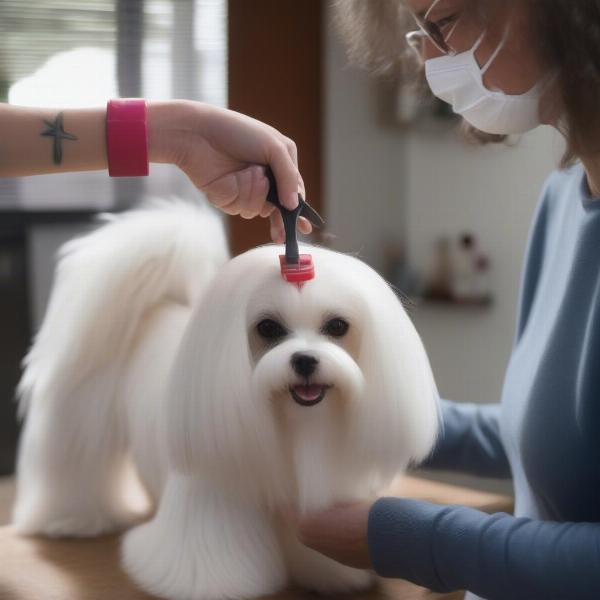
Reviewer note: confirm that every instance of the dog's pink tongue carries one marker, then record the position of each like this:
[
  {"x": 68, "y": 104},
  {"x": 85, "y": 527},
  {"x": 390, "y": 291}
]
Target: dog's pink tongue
[{"x": 308, "y": 392}]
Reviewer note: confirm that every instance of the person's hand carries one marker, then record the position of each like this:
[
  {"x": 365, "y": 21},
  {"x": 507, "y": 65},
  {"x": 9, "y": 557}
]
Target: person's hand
[
  {"x": 223, "y": 153},
  {"x": 339, "y": 532}
]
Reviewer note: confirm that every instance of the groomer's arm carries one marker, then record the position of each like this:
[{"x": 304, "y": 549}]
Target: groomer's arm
[
  {"x": 470, "y": 441},
  {"x": 451, "y": 547},
  {"x": 498, "y": 556},
  {"x": 35, "y": 141},
  {"x": 221, "y": 151}
]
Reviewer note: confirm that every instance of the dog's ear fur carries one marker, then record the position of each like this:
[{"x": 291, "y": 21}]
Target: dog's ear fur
[
  {"x": 215, "y": 425},
  {"x": 398, "y": 419}
]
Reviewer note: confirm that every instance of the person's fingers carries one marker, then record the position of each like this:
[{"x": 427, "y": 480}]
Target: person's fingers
[
  {"x": 232, "y": 209},
  {"x": 222, "y": 191},
  {"x": 277, "y": 229},
  {"x": 339, "y": 532},
  {"x": 301, "y": 187},
  {"x": 267, "y": 209},
  {"x": 291, "y": 148},
  {"x": 286, "y": 175},
  {"x": 304, "y": 226},
  {"x": 244, "y": 182},
  {"x": 254, "y": 202}
]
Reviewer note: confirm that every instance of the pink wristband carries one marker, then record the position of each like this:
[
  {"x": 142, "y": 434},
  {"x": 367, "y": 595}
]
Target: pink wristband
[{"x": 127, "y": 137}]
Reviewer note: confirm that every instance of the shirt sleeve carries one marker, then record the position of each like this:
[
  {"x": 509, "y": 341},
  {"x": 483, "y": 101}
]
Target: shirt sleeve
[
  {"x": 450, "y": 547},
  {"x": 470, "y": 441}
]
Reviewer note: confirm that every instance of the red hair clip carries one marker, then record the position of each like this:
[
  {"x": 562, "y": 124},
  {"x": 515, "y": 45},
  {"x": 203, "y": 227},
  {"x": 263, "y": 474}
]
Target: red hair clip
[
  {"x": 299, "y": 272},
  {"x": 295, "y": 267}
]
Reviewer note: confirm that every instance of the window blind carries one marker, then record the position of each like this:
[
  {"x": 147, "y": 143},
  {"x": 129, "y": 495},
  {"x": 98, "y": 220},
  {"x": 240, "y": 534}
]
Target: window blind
[{"x": 72, "y": 53}]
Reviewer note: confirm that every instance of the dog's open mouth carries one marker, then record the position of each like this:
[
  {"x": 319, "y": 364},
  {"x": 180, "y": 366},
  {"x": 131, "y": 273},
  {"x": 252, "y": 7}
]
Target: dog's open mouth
[{"x": 310, "y": 394}]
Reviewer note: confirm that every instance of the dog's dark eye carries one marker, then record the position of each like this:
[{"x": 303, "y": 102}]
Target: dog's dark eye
[
  {"x": 271, "y": 330},
  {"x": 336, "y": 327}
]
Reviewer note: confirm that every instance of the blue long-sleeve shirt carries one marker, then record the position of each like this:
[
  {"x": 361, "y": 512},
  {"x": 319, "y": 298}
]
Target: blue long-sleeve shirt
[{"x": 545, "y": 434}]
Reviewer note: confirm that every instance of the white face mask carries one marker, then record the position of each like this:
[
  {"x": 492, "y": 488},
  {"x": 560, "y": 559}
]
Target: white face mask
[{"x": 458, "y": 80}]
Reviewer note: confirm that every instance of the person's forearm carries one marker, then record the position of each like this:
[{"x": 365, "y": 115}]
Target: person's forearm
[
  {"x": 448, "y": 547},
  {"x": 34, "y": 141},
  {"x": 223, "y": 153},
  {"x": 470, "y": 441}
]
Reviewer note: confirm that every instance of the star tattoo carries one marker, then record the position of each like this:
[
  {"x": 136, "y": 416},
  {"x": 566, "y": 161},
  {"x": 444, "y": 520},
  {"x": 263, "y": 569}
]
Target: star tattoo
[{"x": 56, "y": 130}]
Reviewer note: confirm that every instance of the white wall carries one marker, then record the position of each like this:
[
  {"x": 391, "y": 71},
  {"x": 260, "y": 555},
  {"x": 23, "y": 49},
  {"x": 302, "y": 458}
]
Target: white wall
[
  {"x": 491, "y": 191},
  {"x": 364, "y": 162}
]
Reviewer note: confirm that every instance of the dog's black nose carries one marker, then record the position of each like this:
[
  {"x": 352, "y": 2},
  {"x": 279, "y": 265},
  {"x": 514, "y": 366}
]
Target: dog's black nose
[{"x": 304, "y": 364}]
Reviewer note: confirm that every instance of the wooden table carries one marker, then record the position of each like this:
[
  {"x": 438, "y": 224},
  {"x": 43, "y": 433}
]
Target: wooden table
[{"x": 40, "y": 569}]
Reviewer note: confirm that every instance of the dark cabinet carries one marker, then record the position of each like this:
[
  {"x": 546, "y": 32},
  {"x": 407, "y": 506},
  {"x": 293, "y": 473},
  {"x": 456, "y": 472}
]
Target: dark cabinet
[{"x": 14, "y": 333}]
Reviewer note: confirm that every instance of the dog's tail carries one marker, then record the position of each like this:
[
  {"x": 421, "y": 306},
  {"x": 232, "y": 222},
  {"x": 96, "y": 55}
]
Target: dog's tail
[
  {"x": 73, "y": 447},
  {"x": 105, "y": 281}
]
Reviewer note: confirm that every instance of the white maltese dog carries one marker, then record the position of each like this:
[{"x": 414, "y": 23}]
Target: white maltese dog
[{"x": 237, "y": 395}]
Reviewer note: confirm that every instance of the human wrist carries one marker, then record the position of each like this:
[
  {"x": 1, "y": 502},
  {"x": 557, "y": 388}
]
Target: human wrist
[
  {"x": 157, "y": 117},
  {"x": 400, "y": 534},
  {"x": 171, "y": 126},
  {"x": 38, "y": 141}
]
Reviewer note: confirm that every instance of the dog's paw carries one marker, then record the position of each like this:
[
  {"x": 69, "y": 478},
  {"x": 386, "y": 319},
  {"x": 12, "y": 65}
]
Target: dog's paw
[
  {"x": 89, "y": 525},
  {"x": 181, "y": 567},
  {"x": 73, "y": 524}
]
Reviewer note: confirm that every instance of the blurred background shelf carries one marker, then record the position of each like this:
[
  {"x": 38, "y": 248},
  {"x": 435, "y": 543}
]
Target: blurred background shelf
[{"x": 475, "y": 303}]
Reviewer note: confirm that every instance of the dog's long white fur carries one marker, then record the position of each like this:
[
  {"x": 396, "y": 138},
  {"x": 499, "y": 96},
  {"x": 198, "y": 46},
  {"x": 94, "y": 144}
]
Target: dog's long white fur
[
  {"x": 145, "y": 354},
  {"x": 74, "y": 442}
]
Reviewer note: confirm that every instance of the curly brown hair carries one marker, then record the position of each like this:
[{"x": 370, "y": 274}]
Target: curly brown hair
[
  {"x": 373, "y": 32},
  {"x": 567, "y": 34}
]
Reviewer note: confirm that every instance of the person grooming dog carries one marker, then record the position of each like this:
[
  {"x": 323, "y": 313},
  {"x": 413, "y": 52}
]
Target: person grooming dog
[{"x": 508, "y": 66}]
